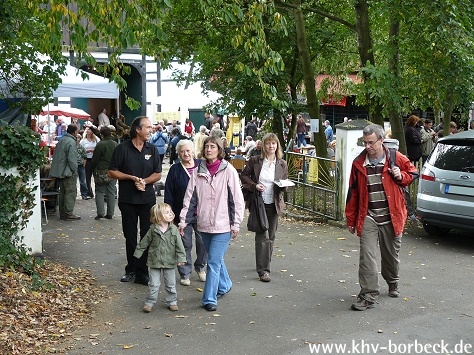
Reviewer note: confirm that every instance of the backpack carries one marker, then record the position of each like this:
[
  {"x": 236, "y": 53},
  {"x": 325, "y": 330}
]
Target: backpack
[{"x": 406, "y": 193}]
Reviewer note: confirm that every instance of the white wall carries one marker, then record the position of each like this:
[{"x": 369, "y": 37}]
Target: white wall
[
  {"x": 173, "y": 97},
  {"x": 32, "y": 234}
]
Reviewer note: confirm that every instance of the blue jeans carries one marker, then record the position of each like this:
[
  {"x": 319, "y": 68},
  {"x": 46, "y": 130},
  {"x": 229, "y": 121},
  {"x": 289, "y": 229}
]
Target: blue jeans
[
  {"x": 301, "y": 139},
  {"x": 201, "y": 255},
  {"x": 81, "y": 173},
  {"x": 217, "y": 279}
]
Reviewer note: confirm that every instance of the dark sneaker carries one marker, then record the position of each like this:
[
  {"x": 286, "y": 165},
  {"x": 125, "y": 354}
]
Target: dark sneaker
[
  {"x": 99, "y": 216},
  {"x": 265, "y": 277},
  {"x": 362, "y": 304},
  {"x": 393, "y": 290},
  {"x": 210, "y": 307}
]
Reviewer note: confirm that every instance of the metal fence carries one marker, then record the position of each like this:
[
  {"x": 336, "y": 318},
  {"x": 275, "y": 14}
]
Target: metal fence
[{"x": 316, "y": 187}]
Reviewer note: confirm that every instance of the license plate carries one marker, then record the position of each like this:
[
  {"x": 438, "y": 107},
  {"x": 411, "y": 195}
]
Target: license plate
[{"x": 458, "y": 190}]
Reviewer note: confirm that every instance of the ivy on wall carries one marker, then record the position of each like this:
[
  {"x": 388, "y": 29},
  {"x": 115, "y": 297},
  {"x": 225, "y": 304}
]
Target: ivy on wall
[{"x": 20, "y": 150}]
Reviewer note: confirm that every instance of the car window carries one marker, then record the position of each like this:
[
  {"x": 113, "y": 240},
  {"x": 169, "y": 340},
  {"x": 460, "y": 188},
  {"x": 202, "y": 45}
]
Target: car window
[{"x": 454, "y": 156}]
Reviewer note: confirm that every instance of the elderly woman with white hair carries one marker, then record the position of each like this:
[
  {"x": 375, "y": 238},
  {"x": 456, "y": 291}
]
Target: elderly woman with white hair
[{"x": 175, "y": 188}]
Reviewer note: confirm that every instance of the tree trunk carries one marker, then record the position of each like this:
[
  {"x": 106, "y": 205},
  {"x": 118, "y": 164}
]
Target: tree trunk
[
  {"x": 309, "y": 80},
  {"x": 293, "y": 86},
  {"x": 366, "y": 54},
  {"x": 448, "y": 111},
  {"x": 394, "y": 115}
]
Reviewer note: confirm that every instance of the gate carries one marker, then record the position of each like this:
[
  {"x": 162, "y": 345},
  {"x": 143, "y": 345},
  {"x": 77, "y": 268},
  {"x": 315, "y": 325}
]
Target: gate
[{"x": 316, "y": 184}]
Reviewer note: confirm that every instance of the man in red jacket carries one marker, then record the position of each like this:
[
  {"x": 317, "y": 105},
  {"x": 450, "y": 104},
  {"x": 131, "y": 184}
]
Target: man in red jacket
[{"x": 375, "y": 208}]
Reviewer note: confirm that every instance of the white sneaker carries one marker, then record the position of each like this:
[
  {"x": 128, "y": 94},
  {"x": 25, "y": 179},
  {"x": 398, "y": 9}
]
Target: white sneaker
[
  {"x": 185, "y": 282},
  {"x": 201, "y": 276}
]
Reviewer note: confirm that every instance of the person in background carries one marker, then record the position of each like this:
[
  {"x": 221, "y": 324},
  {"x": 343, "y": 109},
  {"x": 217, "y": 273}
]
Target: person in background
[
  {"x": 176, "y": 136},
  {"x": 428, "y": 139},
  {"x": 89, "y": 142},
  {"x": 260, "y": 174},
  {"x": 100, "y": 162},
  {"x": 238, "y": 154},
  {"x": 64, "y": 167},
  {"x": 453, "y": 128},
  {"x": 136, "y": 164},
  {"x": 249, "y": 144},
  {"x": 301, "y": 131},
  {"x": 251, "y": 129},
  {"x": 376, "y": 210},
  {"x": 208, "y": 119},
  {"x": 113, "y": 134},
  {"x": 81, "y": 170},
  {"x": 328, "y": 132},
  {"x": 214, "y": 197},
  {"x": 257, "y": 151},
  {"x": 413, "y": 138},
  {"x": 227, "y": 150},
  {"x": 165, "y": 251},
  {"x": 75, "y": 120},
  {"x": 199, "y": 140},
  {"x": 160, "y": 140},
  {"x": 103, "y": 119},
  {"x": 59, "y": 128},
  {"x": 63, "y": 131},
  {"x": 176, "y": 183},
  {"x": 189, "y": 128}
]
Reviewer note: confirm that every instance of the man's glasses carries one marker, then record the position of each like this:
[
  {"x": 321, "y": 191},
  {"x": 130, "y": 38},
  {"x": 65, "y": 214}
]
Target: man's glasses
[{"x": 370, "y": 144}]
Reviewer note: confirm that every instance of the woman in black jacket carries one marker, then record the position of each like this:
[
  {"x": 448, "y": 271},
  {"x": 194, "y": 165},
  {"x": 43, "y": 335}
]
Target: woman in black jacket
[
  {"x": 260, "y": 174},
  {"x": 413, "y": 138}
]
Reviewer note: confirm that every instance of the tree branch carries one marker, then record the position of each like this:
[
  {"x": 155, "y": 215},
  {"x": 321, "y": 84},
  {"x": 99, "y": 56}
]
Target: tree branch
[{"x": 317, "y": 11}]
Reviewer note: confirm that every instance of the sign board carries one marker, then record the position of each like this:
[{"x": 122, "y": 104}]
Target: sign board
[
  {"x": 169, "y": 116},
  {"x": 314, "y": 125}
]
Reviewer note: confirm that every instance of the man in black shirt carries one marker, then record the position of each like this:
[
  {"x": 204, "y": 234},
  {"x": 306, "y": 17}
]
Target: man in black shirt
[{"x": 136, "y": 165}]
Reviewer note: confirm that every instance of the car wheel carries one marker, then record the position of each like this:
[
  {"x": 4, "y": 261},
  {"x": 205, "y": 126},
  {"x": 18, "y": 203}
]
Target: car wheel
[{"x": 435, "y": 230}]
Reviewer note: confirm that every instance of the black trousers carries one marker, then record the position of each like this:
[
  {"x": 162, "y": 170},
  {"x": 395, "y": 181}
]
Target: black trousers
[
  {"x": 131, "y": 213},
  {"x": 88, "y": 167}
]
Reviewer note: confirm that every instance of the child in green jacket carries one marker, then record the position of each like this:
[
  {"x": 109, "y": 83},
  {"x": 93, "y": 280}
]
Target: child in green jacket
[{"x": 165, "y": 251}]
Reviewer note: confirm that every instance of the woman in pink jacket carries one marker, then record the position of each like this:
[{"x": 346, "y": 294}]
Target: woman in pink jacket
[{"x": 214, "y": 198}]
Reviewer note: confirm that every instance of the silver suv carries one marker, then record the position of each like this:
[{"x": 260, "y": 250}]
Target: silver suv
[{"x": 445, "y": 198}]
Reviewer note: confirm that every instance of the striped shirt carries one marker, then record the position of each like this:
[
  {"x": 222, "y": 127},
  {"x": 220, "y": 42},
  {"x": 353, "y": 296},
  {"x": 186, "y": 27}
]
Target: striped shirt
[{"x": 378, "y": 204}]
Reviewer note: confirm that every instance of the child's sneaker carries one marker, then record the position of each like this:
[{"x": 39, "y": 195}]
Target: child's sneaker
[
  {"x": 147, "y": 308},
  {"x": 174, "y": 307}
]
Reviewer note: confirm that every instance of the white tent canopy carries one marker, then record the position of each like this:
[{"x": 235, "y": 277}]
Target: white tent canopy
[
  {"x": 95, "y": 87},
  {"x": 74, "y": 86}
]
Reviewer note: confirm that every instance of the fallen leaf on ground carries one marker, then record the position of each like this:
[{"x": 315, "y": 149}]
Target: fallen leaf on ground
[{"x": 65, "y": 302}]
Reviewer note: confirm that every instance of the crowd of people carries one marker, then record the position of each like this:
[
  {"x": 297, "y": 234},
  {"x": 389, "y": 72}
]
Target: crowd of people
[{"x": 203, "y": 196}]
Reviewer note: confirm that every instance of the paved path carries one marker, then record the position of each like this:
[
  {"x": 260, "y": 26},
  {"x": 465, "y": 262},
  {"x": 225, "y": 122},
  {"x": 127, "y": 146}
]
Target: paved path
[{"x": 314, "y": 282}]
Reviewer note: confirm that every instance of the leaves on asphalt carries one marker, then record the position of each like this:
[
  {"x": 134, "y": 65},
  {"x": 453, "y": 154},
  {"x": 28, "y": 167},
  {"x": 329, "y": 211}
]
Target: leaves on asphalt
[{"x": 37, "y": 321}]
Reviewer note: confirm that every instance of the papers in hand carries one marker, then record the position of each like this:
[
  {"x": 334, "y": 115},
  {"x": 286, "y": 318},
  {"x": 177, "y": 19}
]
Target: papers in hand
[{"x": 284, "y": 183}]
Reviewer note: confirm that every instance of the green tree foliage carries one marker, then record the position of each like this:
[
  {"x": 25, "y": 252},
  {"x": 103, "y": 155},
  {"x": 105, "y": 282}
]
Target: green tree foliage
[{"x": 408, "y": 55}]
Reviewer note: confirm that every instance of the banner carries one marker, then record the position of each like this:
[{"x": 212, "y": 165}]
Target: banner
[{"x": 333, "y": 102}]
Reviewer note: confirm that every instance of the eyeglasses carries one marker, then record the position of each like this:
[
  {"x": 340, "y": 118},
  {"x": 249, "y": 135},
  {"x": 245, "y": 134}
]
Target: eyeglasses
[{"x": 370, "y": 144}]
